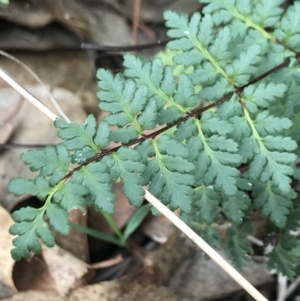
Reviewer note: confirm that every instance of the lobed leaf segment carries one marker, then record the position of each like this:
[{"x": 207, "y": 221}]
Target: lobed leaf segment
[{"x": 210, "y": 162}]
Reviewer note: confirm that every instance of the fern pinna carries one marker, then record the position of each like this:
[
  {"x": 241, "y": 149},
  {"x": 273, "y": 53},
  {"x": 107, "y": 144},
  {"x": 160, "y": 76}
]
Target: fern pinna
[{"x": 222, "y": 150}]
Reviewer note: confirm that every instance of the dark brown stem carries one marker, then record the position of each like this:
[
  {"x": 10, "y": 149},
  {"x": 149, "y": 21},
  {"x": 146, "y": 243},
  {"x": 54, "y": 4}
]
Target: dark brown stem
[{"x": 196, "y": 113}]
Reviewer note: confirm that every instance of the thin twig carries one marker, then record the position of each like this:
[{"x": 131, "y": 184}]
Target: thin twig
[
  {"x": 29, "y": 70},
  {"x": 106, "y": 263},
  {"x": 27, "y": 95},
  {"x": 22, "y": 145},
  {"x": 255, "y": 241},
  {"x": 135, "y": 21},
  {"x": 92, "y": 46},
  {"x": 125, "y": 12},
  {"x": 216, "y": 257},
  {"x": 147, "y": 30}
]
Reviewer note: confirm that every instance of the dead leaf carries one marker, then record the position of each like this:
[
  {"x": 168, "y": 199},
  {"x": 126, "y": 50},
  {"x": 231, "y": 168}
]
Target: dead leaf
[
  {"x": 6, "y": 261},
  {"x": 33, "y": 274},
  {"x": 65, "y": 269},
  {"x": 55, "y": 269},
  {"x": 143, "y": 282},
  {"x": 76, "y": 242},
  {"x": 106, "y": 263}
]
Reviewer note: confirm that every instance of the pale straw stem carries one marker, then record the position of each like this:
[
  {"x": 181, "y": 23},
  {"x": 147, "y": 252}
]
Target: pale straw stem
[
  {"x": 27, "y": 95},
  {"x": 216, "y": 257}
]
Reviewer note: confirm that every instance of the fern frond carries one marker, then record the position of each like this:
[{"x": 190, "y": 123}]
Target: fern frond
[{"x": 213, "y": 162}]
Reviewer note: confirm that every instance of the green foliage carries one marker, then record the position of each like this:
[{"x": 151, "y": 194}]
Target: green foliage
[
  {"x": 135, "y": 221},
  {"x": 283, "y": 258},
  {"x": 238, "y": 248},
  {"x": 223, "y": 106}
]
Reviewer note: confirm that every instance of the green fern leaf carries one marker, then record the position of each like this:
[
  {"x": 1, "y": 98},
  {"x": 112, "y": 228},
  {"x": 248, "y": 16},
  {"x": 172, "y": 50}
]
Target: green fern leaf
[
  {"x": 27, "y": 240},
  {"x": 273, "y": 203},
  {"x": 125, "y": 163},
  {"x": 262, "y": 96},
  {"x": 168, "y": 174},
  {"x": 243, "y": 67},
  {"x": 78, "y": 136},
  {"x": 38, "y": 187},
  {"x": 268, "y": 124},
  {"x": 207, "y": 200},
  {"x": 208, "y": 232},
  {"x": 212, "y": 236},
  {"x": 288, "y": 33},
  {"x": 27, "y": 214},
  {"x": 268, "y": 13},
  {"x": 238, "y": 248},
  {"x": 102, "y": 138},
  {"x": 158, "y": 79},
  {"x": 185, "y": 95},
  {"x": 148, "y": 118},
  {"x": 58, "y": 219},
  {"x": 52, "y": 161},
  {"x": 212, "y": 124},
  {"x": 196, "y": 34},
  {"x": 124, "y": 100},
  {"x": 273, "y": 167},
  {"x": 96, "y": 179},
  {"x": 167, "y": 145},
  {"x": 71, "y": 196},
  {"x": 215, "y": 161},
  {"x": 30, "y": 227},
  {"x": 235, "y": 207},
  {"x": 172, "y": 100},
  {"x": 279, "y": 143},
  {"x": 281, "y": 258},
  {"x": 125, "y": 135},
  {"x": 293, "y": 222}
]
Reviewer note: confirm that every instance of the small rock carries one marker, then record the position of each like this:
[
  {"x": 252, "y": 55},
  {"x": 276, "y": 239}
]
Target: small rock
[{"x": 204, "y": 280}]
